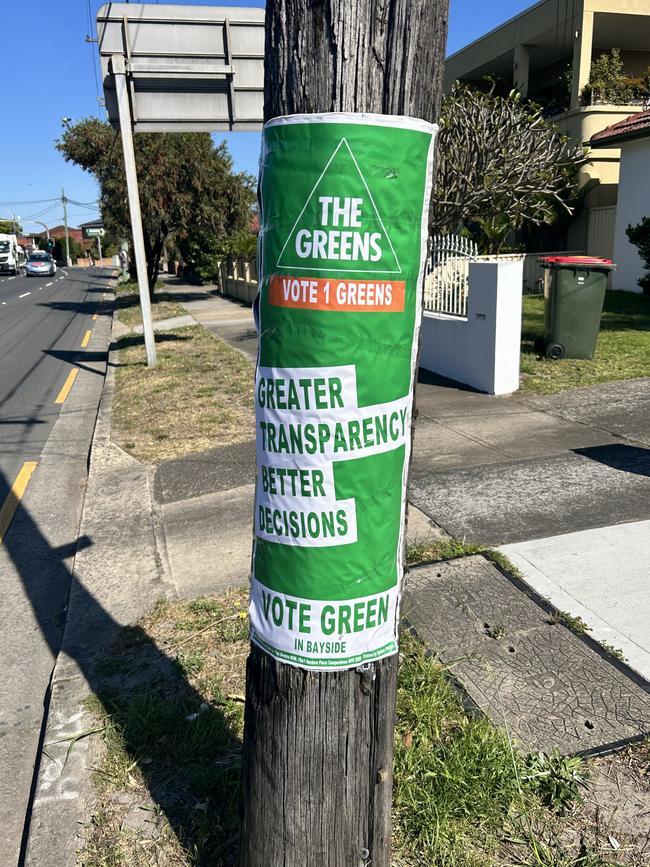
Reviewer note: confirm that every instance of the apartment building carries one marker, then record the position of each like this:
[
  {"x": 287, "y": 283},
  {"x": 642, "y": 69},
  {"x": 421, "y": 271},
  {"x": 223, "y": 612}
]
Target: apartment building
[{"x": 546, "y": 54}]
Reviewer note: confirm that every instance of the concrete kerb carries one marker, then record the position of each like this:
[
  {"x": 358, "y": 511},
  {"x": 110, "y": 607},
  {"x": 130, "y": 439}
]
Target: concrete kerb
[{"x": 113, "y": 583}]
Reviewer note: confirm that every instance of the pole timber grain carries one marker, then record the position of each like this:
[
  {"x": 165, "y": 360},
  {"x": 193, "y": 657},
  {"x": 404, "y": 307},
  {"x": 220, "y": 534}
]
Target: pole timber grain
[{"x": 318, "y": 747}]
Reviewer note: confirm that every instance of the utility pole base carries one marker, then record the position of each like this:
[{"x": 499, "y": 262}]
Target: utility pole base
[{"x": 317, "y": 774}]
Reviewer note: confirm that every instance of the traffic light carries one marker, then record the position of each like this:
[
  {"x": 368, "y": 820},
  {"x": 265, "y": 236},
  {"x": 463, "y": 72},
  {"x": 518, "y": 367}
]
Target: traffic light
[{"x": 50, "y": 244}]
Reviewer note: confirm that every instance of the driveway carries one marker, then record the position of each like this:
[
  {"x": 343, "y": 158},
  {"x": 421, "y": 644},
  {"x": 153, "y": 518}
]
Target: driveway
[{"x": 562, "y": 483}]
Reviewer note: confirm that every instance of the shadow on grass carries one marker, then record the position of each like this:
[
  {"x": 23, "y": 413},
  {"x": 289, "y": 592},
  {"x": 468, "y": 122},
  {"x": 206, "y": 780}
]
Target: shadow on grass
[
  {"x": 186, "y": 748},
  {"x": 125, "y": 301},
  {"x": 130, "y": 340},
  {"x": 158, "y": 726}
]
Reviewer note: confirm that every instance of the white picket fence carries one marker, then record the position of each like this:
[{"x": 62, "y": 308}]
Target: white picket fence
[{"x": 446, "y": 282}]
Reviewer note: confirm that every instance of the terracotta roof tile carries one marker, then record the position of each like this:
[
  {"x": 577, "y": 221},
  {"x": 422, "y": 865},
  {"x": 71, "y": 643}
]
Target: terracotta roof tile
[{"x": 632, "y": 127}]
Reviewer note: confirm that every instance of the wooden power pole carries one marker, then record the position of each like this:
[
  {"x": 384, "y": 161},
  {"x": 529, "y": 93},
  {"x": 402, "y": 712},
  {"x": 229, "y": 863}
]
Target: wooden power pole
[{"x": 318, "y": 746}]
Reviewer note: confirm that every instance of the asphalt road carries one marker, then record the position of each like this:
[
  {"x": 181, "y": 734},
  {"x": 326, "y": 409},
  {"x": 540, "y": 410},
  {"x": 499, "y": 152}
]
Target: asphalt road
[
  {"x": 42, "y": 323},
  {"x": 54, "y": 333}
]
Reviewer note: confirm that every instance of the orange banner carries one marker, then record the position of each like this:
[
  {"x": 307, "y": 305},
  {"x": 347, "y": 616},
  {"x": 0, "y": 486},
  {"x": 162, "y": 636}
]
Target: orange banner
[{"x": 332, "y": 293}]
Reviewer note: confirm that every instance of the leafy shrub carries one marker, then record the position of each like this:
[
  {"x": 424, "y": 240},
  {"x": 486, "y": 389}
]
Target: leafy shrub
[
  {"x": 609, "y": 83},
  {"x": 639, "y": 235}
]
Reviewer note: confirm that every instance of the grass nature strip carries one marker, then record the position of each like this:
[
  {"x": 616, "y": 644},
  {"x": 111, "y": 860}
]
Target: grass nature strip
[
  {"x": 127, "y": 304},
  {"x": 199, "y": 396},
  {"x": 623, "y": 350},
  {"x": 170, "y": 707}
]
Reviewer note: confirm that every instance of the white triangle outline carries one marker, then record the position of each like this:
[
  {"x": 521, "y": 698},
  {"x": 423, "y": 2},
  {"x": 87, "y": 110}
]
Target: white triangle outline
[{"x": 376, "y": 210}]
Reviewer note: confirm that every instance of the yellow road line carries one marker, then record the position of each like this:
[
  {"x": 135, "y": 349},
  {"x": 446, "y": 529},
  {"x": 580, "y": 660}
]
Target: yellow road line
[
  {"x": 86, "y": 340},
  {"x": 67, "y": 385},
  {"x": 94, "y": 316},
  {"x": 15, "y": 495}
]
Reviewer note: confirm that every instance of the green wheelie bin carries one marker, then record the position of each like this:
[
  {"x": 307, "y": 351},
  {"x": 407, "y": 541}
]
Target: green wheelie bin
[{"x": 574, "y": 292}]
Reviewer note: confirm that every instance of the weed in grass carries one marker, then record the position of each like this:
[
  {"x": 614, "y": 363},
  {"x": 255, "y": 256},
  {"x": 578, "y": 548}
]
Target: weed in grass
[
  {"x": 442, "y": 549},
  {"x": 495, "y": 630},
  {"x": 554, "y": 778},
  {"x": 206, "y": 605},
  {"x": 499, "y": 559},
  {"x": 191, "y": 663},
  {"x": 541, "y": 849}
]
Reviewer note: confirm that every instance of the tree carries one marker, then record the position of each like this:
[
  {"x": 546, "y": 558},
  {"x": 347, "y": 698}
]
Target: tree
[
  {"x": 57, "y": 248},
  {"x": 187, "y": 185},
  {"x": 318, "y": 747},
  {"x": 201, "y": 252},
  {"x": 75, "y": 249},
  {"x": 639, "y": 235},
  {"x": 7, "y": 227},
  {"x": 500, "y": 165}
]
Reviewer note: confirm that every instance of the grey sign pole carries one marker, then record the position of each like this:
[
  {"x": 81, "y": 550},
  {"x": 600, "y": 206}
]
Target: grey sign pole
[{"x": 118, "y": 69}]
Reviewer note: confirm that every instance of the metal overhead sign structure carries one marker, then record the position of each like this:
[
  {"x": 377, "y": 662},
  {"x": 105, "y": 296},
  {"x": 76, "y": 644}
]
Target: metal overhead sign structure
[
  {"x": 190, "y": 68},
  {"x": 177, "y": 69}
]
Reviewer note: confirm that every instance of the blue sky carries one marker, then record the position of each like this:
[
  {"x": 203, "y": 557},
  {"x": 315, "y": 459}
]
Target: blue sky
[{"x": 48, "y": 73}]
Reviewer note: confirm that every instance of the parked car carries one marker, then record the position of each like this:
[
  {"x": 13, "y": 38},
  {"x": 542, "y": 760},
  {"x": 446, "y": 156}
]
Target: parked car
[{"x": 40, "y": 264}]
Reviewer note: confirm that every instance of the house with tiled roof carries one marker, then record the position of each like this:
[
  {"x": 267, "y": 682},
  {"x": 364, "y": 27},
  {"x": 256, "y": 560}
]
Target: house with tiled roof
[{"x": 632, "y": 136}]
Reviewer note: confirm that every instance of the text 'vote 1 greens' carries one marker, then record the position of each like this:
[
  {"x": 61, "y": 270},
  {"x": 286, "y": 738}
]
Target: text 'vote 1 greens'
[{"x": 344, "y": 208}]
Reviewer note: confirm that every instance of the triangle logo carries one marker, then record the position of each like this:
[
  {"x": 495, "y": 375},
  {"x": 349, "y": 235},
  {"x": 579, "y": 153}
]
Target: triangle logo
[{"x": 339, "y": 229}]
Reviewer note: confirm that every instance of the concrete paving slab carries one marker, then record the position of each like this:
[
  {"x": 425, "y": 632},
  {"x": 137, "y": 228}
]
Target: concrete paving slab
[
  {"x": 209, "y": 540},
  {"x": 511, "y": 502},
  {"x": 168, "y": 324},
  {"x": 205, "y": 472},
  {"x": 520, "y": 666},
  {"x": 241, "y": 336},
  {"x": 421, "y": 529},
  {"x": 438, "y": 397},
  {"x": 527, "y": 434},
  {"x": 600, "y": 575},
  {"x": 437, "y": 446},
  {"x": 622, "y": 408}
]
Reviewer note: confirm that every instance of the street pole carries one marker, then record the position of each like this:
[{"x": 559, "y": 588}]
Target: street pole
[
  {"x": 47, "y": 231},
  {"x": 318, "y": 746},
  {"x": 118, "y": 68},
  {"x": 64, "y": 201},
  {"x": 99, "y": 247}
]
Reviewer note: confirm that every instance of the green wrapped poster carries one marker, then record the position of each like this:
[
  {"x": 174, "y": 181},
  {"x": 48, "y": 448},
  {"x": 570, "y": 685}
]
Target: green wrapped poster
[{"x": 344, "y": 202}]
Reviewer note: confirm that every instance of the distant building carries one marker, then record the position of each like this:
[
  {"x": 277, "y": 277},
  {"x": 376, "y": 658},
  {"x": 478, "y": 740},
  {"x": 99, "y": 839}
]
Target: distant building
[
  {"x": 632, "y": 136},
  {"x": 59, "y": 232},
  {"x": 545, "y": 53}
]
